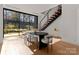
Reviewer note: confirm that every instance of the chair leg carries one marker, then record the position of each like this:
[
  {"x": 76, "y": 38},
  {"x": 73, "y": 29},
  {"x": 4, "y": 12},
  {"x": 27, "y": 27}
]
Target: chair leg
[
  {"x": 28, "y": 42},
  {"x": 48, "y": 47},
  {"x": 51, "y": 49},
  {"x": 37, "y": 44}
]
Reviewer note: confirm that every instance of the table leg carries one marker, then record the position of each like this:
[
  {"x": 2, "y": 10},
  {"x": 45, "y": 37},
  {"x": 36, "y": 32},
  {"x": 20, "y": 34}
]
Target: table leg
[{"x": 41, "y": 44}]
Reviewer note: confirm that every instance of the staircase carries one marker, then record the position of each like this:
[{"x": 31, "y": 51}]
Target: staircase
[{"x": 52, "y": 18}]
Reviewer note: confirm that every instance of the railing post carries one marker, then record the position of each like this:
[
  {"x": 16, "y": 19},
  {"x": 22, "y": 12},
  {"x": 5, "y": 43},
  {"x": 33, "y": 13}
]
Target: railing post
[
  {"x": 47, "y": 17},
  {"x": 40, "y": 26}
]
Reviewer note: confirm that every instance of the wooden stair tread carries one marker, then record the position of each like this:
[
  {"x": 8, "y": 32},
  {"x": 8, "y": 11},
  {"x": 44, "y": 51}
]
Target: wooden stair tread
[{"x": 52, "y": 18}]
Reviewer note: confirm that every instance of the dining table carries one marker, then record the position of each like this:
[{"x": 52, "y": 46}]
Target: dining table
[{"x": 41, "y": 35}]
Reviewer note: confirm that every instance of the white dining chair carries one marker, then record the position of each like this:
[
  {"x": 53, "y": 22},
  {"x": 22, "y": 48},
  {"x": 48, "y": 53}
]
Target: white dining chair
[{"x": 32, "y": 39}]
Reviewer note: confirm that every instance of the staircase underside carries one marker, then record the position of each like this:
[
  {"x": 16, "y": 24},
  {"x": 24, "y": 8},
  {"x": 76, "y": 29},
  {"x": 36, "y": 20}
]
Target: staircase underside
[{"x": 52, "y": 19}]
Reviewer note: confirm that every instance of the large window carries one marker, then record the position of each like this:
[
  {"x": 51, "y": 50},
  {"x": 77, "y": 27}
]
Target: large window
[
  {"x": 33, "y": 23},
  {"x": 18, "y": 22},
  {"x": 11, "y": 21}
]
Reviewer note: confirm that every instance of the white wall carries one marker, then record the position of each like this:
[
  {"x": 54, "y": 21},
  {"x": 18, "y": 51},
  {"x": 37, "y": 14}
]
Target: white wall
[
  {"x": 40, "y": 16},
  {"x": 69, "y": 17},
  {"x": 56, "y": 24},
  {"x": 66, "y": 24},
  {"x": 78, "y": 25},
  {"x": 1, "y": 24}
]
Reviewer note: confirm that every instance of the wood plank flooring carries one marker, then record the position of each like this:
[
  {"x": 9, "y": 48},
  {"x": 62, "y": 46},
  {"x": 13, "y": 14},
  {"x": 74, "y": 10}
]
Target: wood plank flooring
[
  {"x": 16, "y": 45},
  {"x": 59, "y": 48}
]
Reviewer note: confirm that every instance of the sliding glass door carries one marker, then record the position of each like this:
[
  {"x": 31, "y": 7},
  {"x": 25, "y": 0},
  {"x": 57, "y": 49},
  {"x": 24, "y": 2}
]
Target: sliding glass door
[
  {"x": 24, "y": 23},
  {"x": 18, "y": 22},
  {"x": 11, "y": 22},
  {"x": 33, "y": 23}
]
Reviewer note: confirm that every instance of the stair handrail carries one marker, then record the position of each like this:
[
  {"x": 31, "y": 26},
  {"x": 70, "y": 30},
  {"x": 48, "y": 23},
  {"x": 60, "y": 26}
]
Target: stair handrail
[{"x": 46, "y": 15}]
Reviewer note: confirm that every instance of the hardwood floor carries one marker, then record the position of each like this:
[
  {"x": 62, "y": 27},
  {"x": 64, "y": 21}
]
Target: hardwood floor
[
  {"x": 63, "y": 48},
  {"x": 17, "y": 45},
  {"x": 59, "y": 48}
]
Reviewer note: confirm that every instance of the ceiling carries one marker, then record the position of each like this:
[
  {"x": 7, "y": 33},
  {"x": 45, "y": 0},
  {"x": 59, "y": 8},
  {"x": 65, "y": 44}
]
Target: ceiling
[{"x": 30, "y": 8}]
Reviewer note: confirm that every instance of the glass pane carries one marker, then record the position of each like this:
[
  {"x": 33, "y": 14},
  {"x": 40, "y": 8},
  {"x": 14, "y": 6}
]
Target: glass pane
[
  {"x": 15, "y": 22},
  {"x": 24, "y": 23},
  {"x": 33, "y": 23},
  {"x": 11, "y": 22}
]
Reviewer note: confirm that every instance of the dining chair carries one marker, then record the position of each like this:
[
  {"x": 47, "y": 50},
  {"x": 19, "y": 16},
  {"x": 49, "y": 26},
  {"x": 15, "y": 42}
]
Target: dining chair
[
  {"x": 32, "y": 39},
  {"x": 49, "y": 41}
]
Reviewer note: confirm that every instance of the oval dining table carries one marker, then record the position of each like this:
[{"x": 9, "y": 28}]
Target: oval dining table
[{"x": 41, "y": 36}]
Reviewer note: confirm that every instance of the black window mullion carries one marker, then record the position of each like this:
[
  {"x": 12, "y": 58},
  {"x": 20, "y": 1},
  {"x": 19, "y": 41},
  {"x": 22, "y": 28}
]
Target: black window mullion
[
  {"x": 29, "y": 23},
  {"x": 25, "y": 19},
  {"x": 19, "y": 22}
]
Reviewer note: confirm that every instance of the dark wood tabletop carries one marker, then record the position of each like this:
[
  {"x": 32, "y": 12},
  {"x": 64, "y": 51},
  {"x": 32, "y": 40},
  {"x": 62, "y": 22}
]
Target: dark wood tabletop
[{"x": 41, "y": 33}]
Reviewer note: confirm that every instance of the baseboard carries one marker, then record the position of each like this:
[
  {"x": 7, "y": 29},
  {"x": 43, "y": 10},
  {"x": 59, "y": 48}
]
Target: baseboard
[{"x": 73, "y": 43}]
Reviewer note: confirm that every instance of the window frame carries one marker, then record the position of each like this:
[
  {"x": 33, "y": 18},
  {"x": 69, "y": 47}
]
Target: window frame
[{"x": 19, "y": 17}]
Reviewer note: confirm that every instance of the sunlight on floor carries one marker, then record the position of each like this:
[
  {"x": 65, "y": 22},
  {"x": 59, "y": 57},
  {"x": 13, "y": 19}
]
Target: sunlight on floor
[
  {"x": 16, "y": 46},
  {"x": 56, "y": 40}
]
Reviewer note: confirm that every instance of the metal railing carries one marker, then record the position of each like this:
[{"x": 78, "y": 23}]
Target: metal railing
[{"x": 48, "y": 15}]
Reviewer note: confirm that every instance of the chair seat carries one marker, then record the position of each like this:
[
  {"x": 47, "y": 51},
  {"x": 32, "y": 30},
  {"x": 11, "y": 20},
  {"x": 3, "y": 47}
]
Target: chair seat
[
  {"x": 46, "y": 41},
  {"x": 32, "y": 38}
]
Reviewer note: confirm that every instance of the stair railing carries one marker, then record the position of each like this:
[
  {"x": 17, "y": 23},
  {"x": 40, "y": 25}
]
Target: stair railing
[{"x": 47, "y": 15}]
